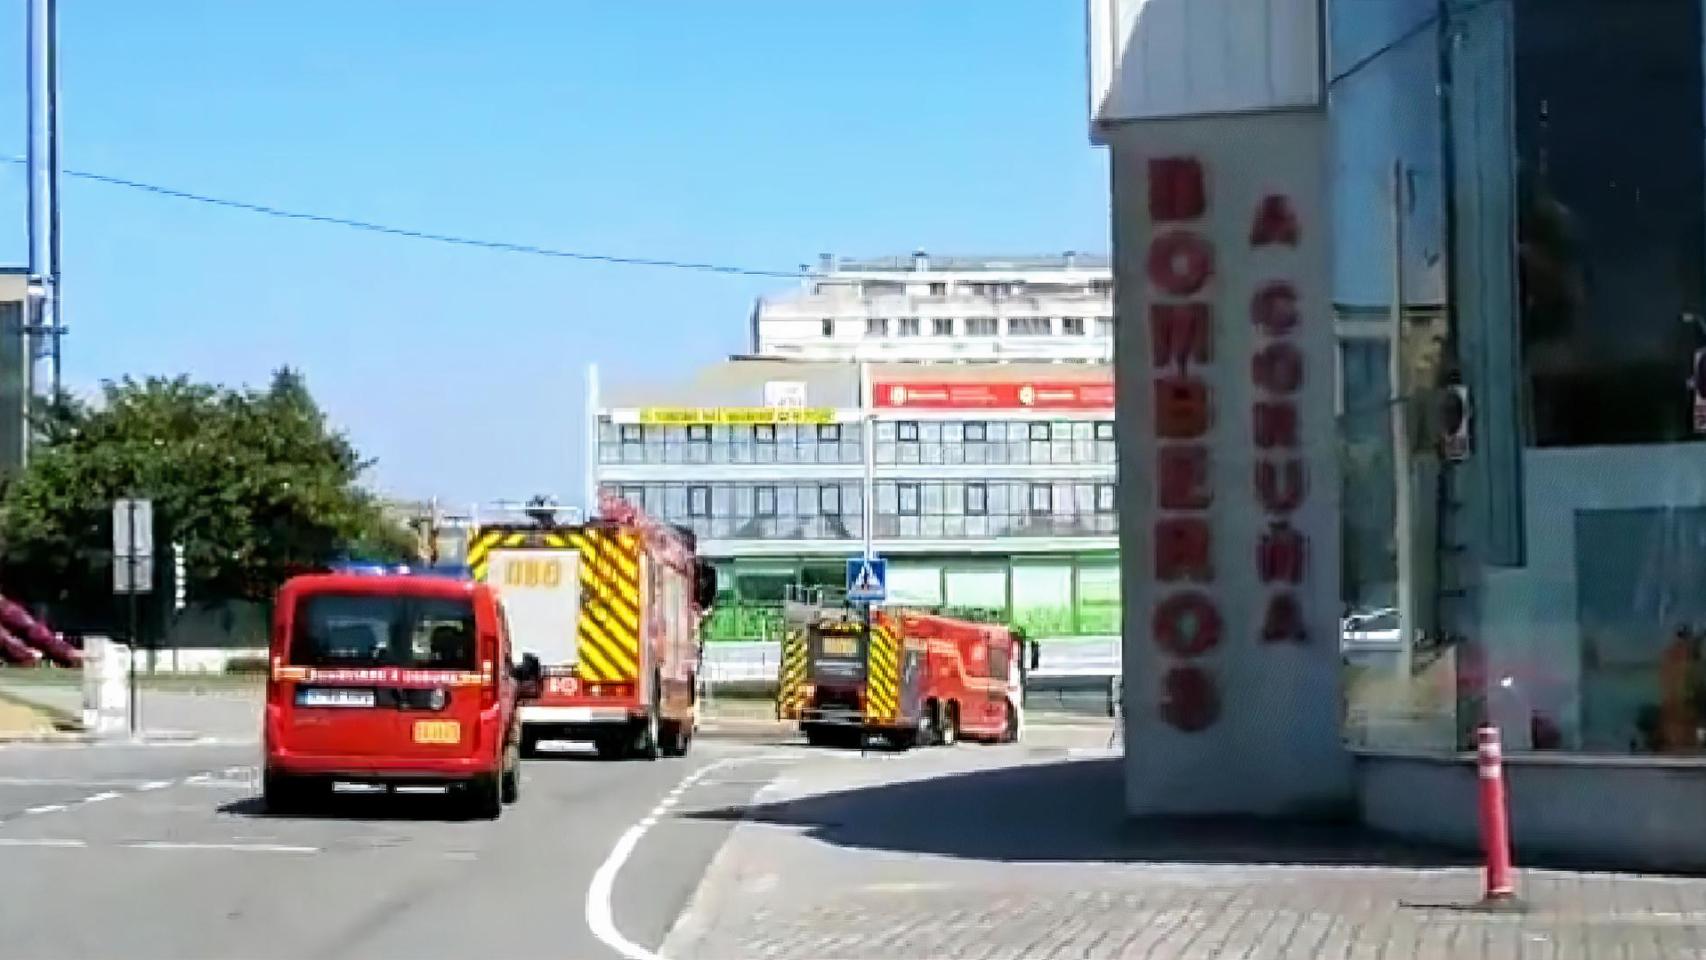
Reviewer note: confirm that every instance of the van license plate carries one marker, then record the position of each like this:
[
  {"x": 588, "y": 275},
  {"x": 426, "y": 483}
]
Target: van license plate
[
  {"x": 438, "y": 731},
  {"x": 334, "y": 697}
]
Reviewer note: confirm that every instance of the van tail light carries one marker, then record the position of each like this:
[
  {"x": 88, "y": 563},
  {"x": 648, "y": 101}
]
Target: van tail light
[{"x": 488, "y": 683}]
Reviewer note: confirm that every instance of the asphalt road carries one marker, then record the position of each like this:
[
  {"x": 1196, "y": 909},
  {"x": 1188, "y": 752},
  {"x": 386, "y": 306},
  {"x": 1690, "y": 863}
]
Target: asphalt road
[{"x": 162, "y": 851}]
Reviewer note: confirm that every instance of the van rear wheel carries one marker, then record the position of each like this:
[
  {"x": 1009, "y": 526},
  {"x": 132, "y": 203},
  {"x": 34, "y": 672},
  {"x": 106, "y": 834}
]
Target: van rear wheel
[
  {"x": 484, "y": 796},
  {"x": 509, "y": 782},
  {"x": 284, "y": 793}
]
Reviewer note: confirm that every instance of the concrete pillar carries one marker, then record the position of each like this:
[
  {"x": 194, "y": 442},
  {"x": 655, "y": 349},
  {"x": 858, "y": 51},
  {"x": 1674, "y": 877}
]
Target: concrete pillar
[{"x": 1224, "y": 360}]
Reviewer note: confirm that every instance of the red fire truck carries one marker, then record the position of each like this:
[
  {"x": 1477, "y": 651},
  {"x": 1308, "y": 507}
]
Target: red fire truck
[
  {"x": 910, "y": 677},
  {"x": 605, "y": 615}
]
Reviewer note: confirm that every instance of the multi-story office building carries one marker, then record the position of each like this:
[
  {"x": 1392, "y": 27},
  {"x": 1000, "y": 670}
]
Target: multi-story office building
[
  {"x": 926, "y": 309},
  {"x": 991, "y": 484}
]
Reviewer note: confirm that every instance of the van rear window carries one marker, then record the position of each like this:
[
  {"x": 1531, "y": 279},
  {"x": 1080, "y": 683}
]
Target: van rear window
[{"x": 363, "y": 630}]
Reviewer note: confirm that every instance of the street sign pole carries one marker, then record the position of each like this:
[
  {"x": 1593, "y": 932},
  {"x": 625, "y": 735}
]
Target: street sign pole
[
  {"x": 133, "y": 573},
  {"x": 130, "y": 603}
]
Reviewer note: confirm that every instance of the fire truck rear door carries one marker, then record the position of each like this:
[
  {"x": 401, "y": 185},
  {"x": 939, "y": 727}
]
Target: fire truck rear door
[{"x": 541, "y": 591}]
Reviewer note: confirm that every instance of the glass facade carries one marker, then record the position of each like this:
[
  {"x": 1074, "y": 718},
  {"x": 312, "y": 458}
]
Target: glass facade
[
  {"x": 794, "y": 505},
  {"x": 1025, "y": 442},
  {"x": 634, "y": 443},
  {"x": 1543, "y": 569},
  {"x": 1049, "y": 596}
]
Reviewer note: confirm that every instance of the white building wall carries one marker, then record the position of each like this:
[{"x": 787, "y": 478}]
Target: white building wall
[
  {"x": 1151, "y": 59},
  {"x": 830, "y": 318}
]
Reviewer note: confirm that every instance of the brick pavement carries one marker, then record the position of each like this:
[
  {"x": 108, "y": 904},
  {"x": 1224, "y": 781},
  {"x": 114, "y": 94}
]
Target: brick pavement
[{"x": 873, "y": 858}]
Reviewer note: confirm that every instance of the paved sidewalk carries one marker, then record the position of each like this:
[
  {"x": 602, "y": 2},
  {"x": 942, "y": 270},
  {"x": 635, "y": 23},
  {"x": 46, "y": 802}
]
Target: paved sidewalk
[{"x": 1011, "y": 852}]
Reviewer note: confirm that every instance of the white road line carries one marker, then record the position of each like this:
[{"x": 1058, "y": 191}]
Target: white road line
[
  {"x": 227, "y": 847},
  {"x": 46, "y": 808},
  {"x": 102, "y": 797},
  {"x": 59, "y": 782},
  {"x": 599, "y": 917},
  {"x": 155, "y": 785},
  {"x": 41, "y": 842}
]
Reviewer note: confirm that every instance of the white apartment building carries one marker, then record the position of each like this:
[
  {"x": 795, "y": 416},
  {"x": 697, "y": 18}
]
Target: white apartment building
[{"x": 923, "y": 308}]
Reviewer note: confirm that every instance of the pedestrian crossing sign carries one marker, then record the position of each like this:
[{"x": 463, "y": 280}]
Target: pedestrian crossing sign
[{"x": 867, "y": 579}]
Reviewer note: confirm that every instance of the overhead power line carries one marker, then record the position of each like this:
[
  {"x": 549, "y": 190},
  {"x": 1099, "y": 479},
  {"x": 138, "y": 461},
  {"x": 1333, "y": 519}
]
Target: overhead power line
[{"x": 499, "y": 246}]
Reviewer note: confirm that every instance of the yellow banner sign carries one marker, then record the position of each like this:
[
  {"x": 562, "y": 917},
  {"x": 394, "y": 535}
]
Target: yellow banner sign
[{"x": 734, "y": 416}]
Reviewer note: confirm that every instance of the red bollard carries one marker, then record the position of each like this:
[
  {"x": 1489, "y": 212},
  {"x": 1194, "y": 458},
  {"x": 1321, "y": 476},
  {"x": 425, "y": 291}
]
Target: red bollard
[{"x": 1495, "y": 824}]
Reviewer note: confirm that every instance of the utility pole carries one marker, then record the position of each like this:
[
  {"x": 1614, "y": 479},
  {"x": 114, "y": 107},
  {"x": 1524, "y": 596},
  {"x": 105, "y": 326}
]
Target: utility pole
[
  {"x": 56, "y": 328},
  {"x": 40, "y": 324}
]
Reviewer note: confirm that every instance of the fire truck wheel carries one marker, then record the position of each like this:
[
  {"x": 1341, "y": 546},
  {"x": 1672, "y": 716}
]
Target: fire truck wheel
[
  {"x": 675, "y": 738},
  {"x": 1010, "y": 731},
  {"x": 529, "y": 744},
  {"x": 611, "y": 748},
  {"x": 949, "y": 731},
  {"x": 649, "y": 744}
]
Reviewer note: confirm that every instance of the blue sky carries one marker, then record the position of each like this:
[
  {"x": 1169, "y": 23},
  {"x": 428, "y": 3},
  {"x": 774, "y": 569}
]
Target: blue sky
[{"x": 756, "y": 132}]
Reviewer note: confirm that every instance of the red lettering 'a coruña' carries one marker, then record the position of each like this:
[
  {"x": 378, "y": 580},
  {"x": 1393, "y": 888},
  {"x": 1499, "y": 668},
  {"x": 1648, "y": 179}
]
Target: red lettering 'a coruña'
[{"x": 1280, "y": 484}]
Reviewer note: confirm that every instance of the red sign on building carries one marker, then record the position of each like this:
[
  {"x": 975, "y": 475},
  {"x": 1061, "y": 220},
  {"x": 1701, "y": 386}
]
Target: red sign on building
[{"x": 1011, "y": 395}]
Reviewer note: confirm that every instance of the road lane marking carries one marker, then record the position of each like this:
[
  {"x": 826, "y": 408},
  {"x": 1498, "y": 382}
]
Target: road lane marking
[
  {"x": 155, "y": 785},
  {"x": 225, "y": 847},
  {"x": 46, "y": 808},
  {"x": 42, "y": 842},
  {"x": 599, "y": 914},
  {"x": 102, "y": 797},
  {"x": 63, "y": 782}
]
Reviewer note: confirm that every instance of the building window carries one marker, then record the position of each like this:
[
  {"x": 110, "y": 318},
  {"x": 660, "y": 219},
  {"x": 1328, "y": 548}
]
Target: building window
[
  {"x": 1042, "y": 499},
  {"x": 938, "y": 289},
  {"x": 977, "y": 432},
  {"x": 764, "y": 433},
  {"x": 829, "y": 500},
  {"x": 1041, "y": 431},
  {"x": 907, "y": 431},
  {"x": 1028, "y": 326},
  {"x": 1104, "y": 498},
  {"x": 699, "y": 433},
  {"x": 764, "y": 501},
  {"x": 908, "y": 493},
  {"x": 828, "y": 327},
  {"x": 908, "y": 327},
  {"x": 942, "y": 326},
  {"x": 633, "y": 433},
  {"x": 633, "y": 493},
  {"x": 829, "y": 433},
  {"x": 699, "y": 501},
  {"x": 1104, "y": 429},
  {"x": 977, "y": 499},
  {"x": 876, "y": 326},
  {"x": 1072, "y": 326},
  {"x": 1104, "y": 326},
  {"x": 980, "y": 327}
]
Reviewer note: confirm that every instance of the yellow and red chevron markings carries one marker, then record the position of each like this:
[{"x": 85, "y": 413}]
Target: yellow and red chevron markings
[
  {"x": 609, "y": 631},
  {"x": 882, "y": 675}
]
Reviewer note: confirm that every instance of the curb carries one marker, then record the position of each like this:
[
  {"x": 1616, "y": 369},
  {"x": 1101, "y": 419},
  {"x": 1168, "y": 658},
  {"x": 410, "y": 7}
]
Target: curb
[{"x": 79, "y": 737}]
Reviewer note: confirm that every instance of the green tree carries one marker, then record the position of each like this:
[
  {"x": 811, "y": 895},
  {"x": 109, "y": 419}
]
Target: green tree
[{"x": 253, "y": 483}]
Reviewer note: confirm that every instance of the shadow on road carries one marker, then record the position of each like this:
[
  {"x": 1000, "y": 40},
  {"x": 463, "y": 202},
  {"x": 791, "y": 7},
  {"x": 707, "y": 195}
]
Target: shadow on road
[
  {"x": 1066, "y": 811},
  {"x": 361, "y": 808}
]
